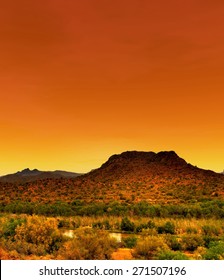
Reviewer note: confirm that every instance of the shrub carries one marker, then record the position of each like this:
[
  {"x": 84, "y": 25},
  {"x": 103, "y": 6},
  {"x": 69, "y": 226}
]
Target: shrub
[
  {"x": 198, "y": 253},
  {"x": 38, "y": 236},
  {"x": 63, "y": 224},
  {"x": 127, "y": 225},
  {"x": 102, "y": 225},
  {"x": 106, "y": 224},
  {"x": 209, "y": 239},
  {"x": 191, "y": 242},
  {"x": 148, "y": 247},
  {"x": 9, "y": 228},
  {"x": 149, "y": 225},
  {"x": 173, "y": 242},
  {"x": 210, "y": 230},
  {"x": 97, "y": 225},
  {"x": 88, "y": 244},
  {"x": 170, "y": 255},
  {"x": 191, "y": 230},
  {"x": 130, "y": 242},
  {"x": 5, "y": 255},
  {"x": 140, "y": 227},
  {"x": 215, "y": 251},
  {"x": 149, "y": 231},
  {"x": 168, "y": 227}
]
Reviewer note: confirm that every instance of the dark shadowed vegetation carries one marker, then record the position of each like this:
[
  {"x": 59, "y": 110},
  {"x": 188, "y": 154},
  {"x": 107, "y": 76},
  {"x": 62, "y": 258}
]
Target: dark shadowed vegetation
[{"x": 205, "y": 209}]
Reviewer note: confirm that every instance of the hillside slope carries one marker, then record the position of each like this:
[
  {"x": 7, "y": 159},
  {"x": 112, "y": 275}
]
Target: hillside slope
[{"x": 129, "y": 177}]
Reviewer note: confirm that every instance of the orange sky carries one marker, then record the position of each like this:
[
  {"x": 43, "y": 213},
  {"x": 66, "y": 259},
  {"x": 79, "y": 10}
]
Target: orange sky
[{"x": 82, "y": 80}]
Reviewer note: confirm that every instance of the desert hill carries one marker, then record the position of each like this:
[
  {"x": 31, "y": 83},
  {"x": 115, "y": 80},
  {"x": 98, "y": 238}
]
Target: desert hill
[
  {"x": 28, "y": 175},
  {"x": 144, "y": 165},
  {"x": 154, "y": 177},
  {"x": 129, "y": 177}
]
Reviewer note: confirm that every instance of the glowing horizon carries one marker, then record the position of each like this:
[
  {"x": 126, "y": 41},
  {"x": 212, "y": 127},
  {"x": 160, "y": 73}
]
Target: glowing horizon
[{"x": 81, "y": 81}]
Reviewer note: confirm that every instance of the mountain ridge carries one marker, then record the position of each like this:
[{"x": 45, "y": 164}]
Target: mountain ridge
[
  {"x": 129, "y": 177},
  {"x": 28, "y": 175},
  {"x": 142, "y": 162}
]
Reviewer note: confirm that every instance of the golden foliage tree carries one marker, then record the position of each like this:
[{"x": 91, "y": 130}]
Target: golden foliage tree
[{"x": 38, "y": 236}]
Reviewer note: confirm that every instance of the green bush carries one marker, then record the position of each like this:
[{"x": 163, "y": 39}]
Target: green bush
[
  {"x": 9, "y": 228},
  {"x": 210, "y": 230},
  {"x": 168, "y": 227},
  {"x": 215, "y": 251},
  {"x": 130, "y": 242},
  {"x": 191, "y": 230},
  {"x": 208, "y": 239},
  {"x": 149, "y": 225},
  {"x": 140, "y": 227},
  {"x": 127, "y": 225},
  {"x": 170, "y": 255},
  {"x": 173, "y": 242},
  {"x": 191, "y": 242}
]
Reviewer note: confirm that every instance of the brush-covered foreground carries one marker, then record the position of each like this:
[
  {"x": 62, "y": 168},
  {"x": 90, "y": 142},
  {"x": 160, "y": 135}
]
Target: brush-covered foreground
[{"x": 25, "y": 236}]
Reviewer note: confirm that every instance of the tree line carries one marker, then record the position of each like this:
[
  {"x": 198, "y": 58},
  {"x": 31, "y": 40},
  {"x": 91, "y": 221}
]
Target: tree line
[{"x": 205, "y": 209}]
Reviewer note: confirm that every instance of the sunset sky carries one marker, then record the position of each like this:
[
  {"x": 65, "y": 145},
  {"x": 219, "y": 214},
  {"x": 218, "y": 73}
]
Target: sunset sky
[{"x": 81, "y": 80}]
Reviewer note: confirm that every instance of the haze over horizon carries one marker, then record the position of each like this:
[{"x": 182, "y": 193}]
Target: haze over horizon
[{"x": 83, "y": 80}]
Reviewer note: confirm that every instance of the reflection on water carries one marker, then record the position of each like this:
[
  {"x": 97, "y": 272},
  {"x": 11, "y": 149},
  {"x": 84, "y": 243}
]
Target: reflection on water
[
  {"x": 69, "y": 233},
  {"x": 117, "y": 236}
]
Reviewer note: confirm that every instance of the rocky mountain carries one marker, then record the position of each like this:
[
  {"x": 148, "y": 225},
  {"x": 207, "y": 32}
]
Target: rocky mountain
[
  {"x": 28, "y": 175},
  {"x": 154, "y": 177},
  {"x": 134, "y": 165},
  {"x": 128, "y": 177}
]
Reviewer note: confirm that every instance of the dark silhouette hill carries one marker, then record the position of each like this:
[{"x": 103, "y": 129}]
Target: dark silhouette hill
[
  {"x": 133, "y": 166},
  {"x": 139, "y": 164},
  {"x": 28, "y": 175}
]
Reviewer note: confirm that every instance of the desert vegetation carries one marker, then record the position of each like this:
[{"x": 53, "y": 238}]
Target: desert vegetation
[
  {"x": 25, "y": 236},
  {"x": 204, "y": 209},
  {"x": 137, "y": 205}
]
